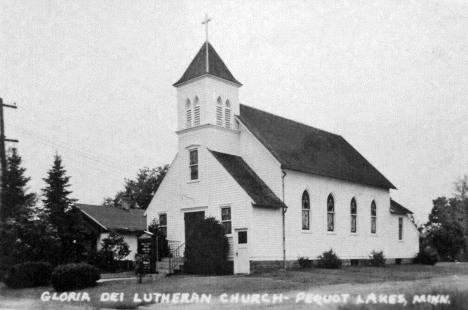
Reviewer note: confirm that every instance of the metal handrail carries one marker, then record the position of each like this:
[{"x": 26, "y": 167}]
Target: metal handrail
[{"x": 175, "y": 258}]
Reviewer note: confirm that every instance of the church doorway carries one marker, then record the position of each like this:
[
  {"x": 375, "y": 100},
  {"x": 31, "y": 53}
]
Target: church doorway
[
  {"x": 190, "y": 219},
  {"x": 241, "y": 254}
]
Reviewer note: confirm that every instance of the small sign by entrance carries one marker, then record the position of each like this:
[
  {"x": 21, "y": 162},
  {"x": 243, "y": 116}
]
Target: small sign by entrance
[{"x": 147, "y": 248}]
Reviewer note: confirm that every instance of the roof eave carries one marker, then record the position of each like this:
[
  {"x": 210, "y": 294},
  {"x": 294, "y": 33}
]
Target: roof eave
[
  {"x": 92, "y": 218},
  {"x": 268, "y": 206},
  {"x": 390, "y": 186},
  {"x": 180, "y": 82}
]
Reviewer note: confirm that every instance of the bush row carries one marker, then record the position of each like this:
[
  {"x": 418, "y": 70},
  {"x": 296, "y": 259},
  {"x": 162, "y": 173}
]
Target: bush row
[
  {"x": 63, "y": 277},
  {"x": 330, "y": 260},
  {"x": 29, "y": 274},
  {"x": 106, "y": 263}
]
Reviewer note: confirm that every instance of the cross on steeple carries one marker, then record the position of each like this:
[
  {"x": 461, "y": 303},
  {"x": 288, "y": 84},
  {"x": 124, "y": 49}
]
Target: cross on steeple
[{"x": 205, "y": 22}]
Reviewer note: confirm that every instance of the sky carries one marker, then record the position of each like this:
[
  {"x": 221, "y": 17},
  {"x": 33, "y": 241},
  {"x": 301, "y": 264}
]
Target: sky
[{"x": 93, "y": 82}]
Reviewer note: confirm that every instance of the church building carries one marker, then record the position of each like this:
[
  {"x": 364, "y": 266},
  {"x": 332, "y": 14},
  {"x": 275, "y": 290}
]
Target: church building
[{"x": 282, "y": 189}]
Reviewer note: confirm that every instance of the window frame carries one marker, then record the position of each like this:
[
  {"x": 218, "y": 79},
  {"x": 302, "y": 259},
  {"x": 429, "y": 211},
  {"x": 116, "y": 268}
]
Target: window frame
[
  {"x": 227, "y": 114},
  {"x": 219, "y": 112},
  {"x": 400, "y": 228},
  {"x": 188, "y": 114},
  {"x": 193, "y": 165},
  {"x": 196, "y": 112},
  {"x": 373, "y": 217},
  {"x": 161, "y": 226},
  {"x": 353, "y": 215},
  {"x": 330, "y": 214},
  {"x": 305, "y": 210},
  {"x": 223, "y": 221}
]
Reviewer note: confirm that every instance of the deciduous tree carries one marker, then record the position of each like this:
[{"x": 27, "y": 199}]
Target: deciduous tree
[{"x": 141, "y": 190}]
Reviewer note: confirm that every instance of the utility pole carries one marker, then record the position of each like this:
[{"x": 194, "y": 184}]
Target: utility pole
[{"x": 2, "y": 149}]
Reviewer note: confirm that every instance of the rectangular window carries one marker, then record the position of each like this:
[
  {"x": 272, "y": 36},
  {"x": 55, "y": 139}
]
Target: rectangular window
[
  {"x": 163, "y": 223},
  {"x": 400, "y": 228},
  {"x": 194, "y": 165},
  {"x": 227, "y": 118},
  {"x": 353, "y": 223},
  {"x": 197, "y": 115},
  {"x": 226, "y": 219},
  {"x": 305, "y": 219},
  {"x": 373, "y": 218},
  {"x": 331, "y": 221},
  {"x": 219, "y": 116},
  {"x": 189, "y": 118},
  {"x": 242, "y": 237}
]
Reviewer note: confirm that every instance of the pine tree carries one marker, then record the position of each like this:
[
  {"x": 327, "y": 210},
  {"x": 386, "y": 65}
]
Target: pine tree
[
  {"x": 62, "y": 215},
  {"x": 16, "y": 202},
  {"x": 25, "y": 232}
]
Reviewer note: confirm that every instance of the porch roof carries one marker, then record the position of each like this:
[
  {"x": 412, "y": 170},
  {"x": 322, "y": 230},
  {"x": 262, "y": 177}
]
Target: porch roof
[{"x": 250, "y": 182}]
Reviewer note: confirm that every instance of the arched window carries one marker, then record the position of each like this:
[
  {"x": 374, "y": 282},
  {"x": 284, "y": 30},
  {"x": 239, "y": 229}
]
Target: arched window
[
  {"x": 196, "y": 112},
  {"x": 373, "y": 211},
  {"x": 227, "y": 114},
  {"x": 219, "y": 112},
  {"x": 305, "y": 211},
  {"x": 353, "y": 216},
  {"x": 188, "y": 108},
  {"x": 330, "y": 213}
]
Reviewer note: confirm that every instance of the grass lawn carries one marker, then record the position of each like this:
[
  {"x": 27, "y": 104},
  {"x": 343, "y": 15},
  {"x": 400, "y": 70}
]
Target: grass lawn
[
  {"x": 317, "y": 277},
  {"x": 270, "y": 282}
]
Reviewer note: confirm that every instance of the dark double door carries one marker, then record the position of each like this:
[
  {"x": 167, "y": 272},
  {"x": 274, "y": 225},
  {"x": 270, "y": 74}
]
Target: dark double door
[{"x": 191, "y": 219}]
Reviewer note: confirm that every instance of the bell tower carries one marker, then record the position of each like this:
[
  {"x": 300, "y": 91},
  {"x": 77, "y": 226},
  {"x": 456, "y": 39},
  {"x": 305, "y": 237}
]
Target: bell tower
[{"x": 207, "y": 93}]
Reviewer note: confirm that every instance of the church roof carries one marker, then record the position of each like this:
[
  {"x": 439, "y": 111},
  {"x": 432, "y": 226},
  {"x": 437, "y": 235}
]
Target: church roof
[
  {"x": 198, "y": 66},
  {"x": 250, "y": 182},
  {"x": 303, "y": 148},
  {"x": 398, "y": 209},
  {"x": 110, "y": 218}
]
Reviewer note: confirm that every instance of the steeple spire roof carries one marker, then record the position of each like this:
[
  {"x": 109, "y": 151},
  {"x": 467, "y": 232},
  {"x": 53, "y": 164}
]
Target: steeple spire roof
[{"x": 198, "y": 66}]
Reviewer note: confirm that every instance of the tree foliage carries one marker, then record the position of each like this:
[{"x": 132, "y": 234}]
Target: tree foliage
[
  {"x": 207, "y": 248},
  {"x": 16, "y": 202},
  {"x": 446, "y": 230},
  {"x": 26, "y": 234},
  {"x": 461, "y": 187},
  {"x": 448, "y": 239},
  {"x": 141, "y": 190},
  {"x": 116, "y": 245},
  {"x": 62, "y": 215},
  {"x": 163, "y": 245},
  {"x": 29, "y": 239}
]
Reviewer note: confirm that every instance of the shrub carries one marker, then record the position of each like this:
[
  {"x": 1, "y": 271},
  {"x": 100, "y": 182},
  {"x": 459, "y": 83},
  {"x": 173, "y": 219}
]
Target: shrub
[
  {"x": 115, "y": 245},
  {"x": 207, "y": 248},
  {"x": 377, "y": 259},
  {"x": 428, "y": 256},
  {"x": 104, "y": 260},
  {"x": 74, "y": 276},
  {"x": 29, "y": 274},
  {"x": 163, "y": 244},
  {"x": 304, "y": 262},
  {"x": 329, "y": 260}
]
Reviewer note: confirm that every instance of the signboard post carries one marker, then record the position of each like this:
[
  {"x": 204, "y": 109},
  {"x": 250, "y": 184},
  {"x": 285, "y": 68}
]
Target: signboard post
[{"x": 147, "y": 250}]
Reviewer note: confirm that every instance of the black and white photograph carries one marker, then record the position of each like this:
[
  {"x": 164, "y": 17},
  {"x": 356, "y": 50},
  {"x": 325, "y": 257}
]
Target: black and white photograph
[{"x": 234, "y": 154}]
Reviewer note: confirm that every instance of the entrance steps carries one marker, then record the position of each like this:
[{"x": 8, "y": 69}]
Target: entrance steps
[{"x": 164, "y": 268}]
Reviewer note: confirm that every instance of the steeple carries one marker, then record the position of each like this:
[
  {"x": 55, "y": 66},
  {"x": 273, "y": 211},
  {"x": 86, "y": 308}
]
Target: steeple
[{"x": 198, "y": 66}]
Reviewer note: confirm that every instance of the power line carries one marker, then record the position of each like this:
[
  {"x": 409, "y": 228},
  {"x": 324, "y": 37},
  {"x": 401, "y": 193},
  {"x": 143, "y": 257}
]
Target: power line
[
  {"x": 114, "y": 171},
  {"x": 98, "y": 159}
]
